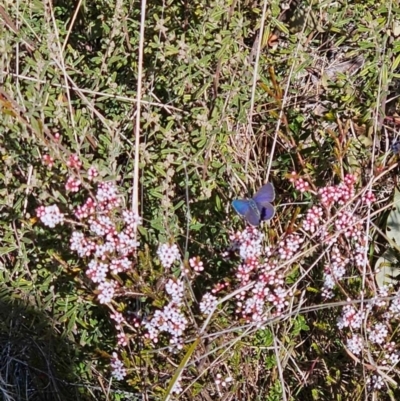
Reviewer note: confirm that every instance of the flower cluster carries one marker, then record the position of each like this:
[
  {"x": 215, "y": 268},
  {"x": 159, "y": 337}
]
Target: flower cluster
[
  {"x": 259, "y": 266},
  {"x": 168, "y": 254},
  {"x": 218, "y": 287},
  {"x": 338, "y": 194},
  {"x": 350, "y": 318},
  {"x": 177, "y": 387},
  {"x": 109, "y": 242},
  {"x": 48, "y": 161},
  {"x": 378, "y": 300},
  {"x": 107, "y": 197},
  {"x": 355, "y": 344},
  {"x": 92, "y": 173},
  {"x": 378, "y": 334},
  {"x": 368, "y": 197},
  {"x": 391, "y": 356},
  {"x": 109, "y": 247},
  {"x": 337, "y": 228},
  {"x": 117, "y": 367},
  {"x": 348, "y": 224},
  {"x": 289, "y": 246},
  {"x": 170, "y": 319},
  {"x": 208, "y": 303},
  {"x": 73, "y": 184},
  {"x": 313, "y": 219},
  {"x": 334, "y": 271},
  {"x": 87, "y": 209},
  {"x": 74, "y": 162},
  {"x": 248, "y": 243},
  {"x": 196, "y": 264},
  {"x": 50, "y": 216},
  {"x": 375, "y": 382},
  {"x": 299, "y": 183}
]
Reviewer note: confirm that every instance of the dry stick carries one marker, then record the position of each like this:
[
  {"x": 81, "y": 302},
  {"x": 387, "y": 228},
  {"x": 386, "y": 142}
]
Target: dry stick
[
  {"x": 168, "y": 108},
  {"x": 71, "y": 25},
  {"x": 280, "y": 369},
  {"x": 135, "y": 189},
  {"x": 255, "y": 76},
  {"x": 188, "y": 216},
  {"x": 17, "y": 57},
  {"x": 28, "y": 187},
  {"x": 64, "y": 72},
  {"x": 377, "y": 125},
  {"x": 285, "y": 96}
]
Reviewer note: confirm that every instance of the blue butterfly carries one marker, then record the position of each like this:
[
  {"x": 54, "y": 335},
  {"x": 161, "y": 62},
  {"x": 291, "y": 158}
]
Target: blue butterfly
[
  {"x": 258, "y": 208},
  {"x": 396, "y": 147}
]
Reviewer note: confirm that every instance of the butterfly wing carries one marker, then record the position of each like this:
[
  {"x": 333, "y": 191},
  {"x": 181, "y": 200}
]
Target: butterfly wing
[
  {"x": 248, "y": 209},
  {"x": 262, "y": 198},
  {"x": 241, "y": 206},
  {"x": 267, "y": 211},
  {"x": 265, "y": 194}
]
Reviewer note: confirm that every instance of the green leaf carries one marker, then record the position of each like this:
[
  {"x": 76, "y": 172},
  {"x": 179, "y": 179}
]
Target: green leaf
[
  {"x": 7, "y": 250},
  {"x": 179, "y": 205},
  {"x": 281, "y": 26},
  {"x": 393, "y": 221},
  {"x": 299, "y": 325},
  {"x": 387, "y": 268}
]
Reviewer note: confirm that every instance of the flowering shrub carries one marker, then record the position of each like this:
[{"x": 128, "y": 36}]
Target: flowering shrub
[
  {"x": 331, "y": 237},
  {"x": 337, "y": 226},
  {"x": 223, "y": 91}
]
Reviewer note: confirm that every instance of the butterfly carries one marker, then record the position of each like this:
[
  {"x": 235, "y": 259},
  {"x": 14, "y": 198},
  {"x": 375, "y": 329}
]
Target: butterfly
[
  {"x": 258, "y": 208},
  {"x": 396, "y": 147}
]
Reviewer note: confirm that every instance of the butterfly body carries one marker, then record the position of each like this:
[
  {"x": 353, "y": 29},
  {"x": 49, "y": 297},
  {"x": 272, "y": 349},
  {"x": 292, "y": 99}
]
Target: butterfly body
[{"x": 258, "y": 208}]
